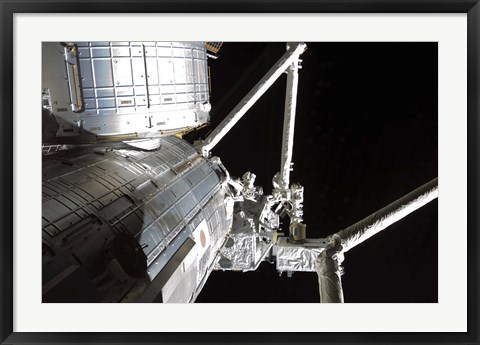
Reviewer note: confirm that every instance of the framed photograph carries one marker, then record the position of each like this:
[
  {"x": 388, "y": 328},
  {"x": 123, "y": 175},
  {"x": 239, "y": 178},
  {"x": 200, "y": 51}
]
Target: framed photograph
[{"x": 233, "y": 155}]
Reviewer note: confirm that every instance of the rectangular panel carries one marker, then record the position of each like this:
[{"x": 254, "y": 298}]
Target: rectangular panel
[
  {"x": 107, "y": 92},
  {"x": 179, "y": 188},
  {"x": 125, "y": 102},
  {"x": 77, "y": 177},
  {"x": 123, "y": 72},
  {"x": 100, "y": 44},
  {"x": 120, "y": 43},
  {"x": 164, "y": 51},
  {"x": 187, "y": 204},
  {"x": 165, "y": 71},
  {"x": 120, "y": 51},
  {"x": 67, "y": 202},
  {"x": 150, "y": 52},
  {"x": 106, "y": 111},
  {"x": 90, "y": 103},
  {"x": 106, "y": 103},
  {"x": 132, "y": 223},
  {"x": 94, "y": 188},
  {"x": 137, "y": 51},
  {"x": 66, "y": 221},
  {"x": 145, "y": 190},
  {"x": 152, "y": 71},
  {"x": 53, "y": 209},
  {"x": 142, "y": 90},
  {"x": 153, "y": 90},
  {"x": 117, "y": 208},
  {"x": 125, "y": 91},
  {"x": 84, "y": 52},
  {"x": 182, "y": 98},
  {"x": 181, "y": 88},
  {"x": 100, "y": 52},
  {"x": 139, "y": 101},
  {"x": 86, "y": 73},
  {"x": 171, "y": 218},
  {"x": 178, "y": 52},
  {"x": 108, "y": 165},
  {"x": 180, "y": 71},
  {"x": 153, "y": 99},
  {"x": 103, "y": 73},
  {"x": 88, "y": 93},
  {"x": 168, "y": 99},
  {"x": 167, "y": 89},
  {"x": 138, "y": 66},
  {"x": 165, "y": 177},
  {"x": 108, "y": 198},
  {"x": 159, "y": 204}
]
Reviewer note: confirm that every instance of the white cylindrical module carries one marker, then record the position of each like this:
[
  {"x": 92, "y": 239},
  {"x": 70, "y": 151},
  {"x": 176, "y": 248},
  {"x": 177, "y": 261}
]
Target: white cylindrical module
[
  {"x": 123, "y": 225},
  {"x": 97, "y": 91}
]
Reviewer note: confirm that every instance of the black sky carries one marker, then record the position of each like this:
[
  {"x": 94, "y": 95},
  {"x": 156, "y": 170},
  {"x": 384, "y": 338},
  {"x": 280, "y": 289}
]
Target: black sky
[{"x": 365, "y": 135}]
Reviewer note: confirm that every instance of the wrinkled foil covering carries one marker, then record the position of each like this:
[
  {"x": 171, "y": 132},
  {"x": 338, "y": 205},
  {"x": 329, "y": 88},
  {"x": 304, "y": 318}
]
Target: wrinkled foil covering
[
  {"x": 296, "y": 259},
  {"x": 328, "y": 263},
  {"x": 329, "y": 273},
  {"x": 249, "y": 240},
  {"x": 376, "y": 222},
  {"x": 238, "y": 254}
]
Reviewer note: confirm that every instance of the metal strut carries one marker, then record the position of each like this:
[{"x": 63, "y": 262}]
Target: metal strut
[
  {"x": 289, "y": 123},
  {"x": 376, "y": 222},
  {"x": 291, "y": 56},
  {"x": 328, "y": 263}
]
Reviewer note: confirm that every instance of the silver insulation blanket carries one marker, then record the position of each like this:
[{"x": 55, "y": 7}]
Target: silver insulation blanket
[
  {"x": 240, "y": 255},
  {"x": 296, "y": 259},
  {"x": 329, "y": 273},
  {"x": 328, "y": 263},
  {"x": 376, "y": 222}
]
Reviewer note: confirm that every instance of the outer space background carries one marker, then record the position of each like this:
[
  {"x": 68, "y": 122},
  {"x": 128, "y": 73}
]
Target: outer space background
[{"x": 366, "y": 134}]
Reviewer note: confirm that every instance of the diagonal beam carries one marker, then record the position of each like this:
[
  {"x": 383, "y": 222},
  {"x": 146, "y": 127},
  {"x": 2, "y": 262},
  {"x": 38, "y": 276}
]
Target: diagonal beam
[
  {"x": 376, "y": 222},
  {"x": 328, "y": 263},
  {"x": 255, "y": 93}
]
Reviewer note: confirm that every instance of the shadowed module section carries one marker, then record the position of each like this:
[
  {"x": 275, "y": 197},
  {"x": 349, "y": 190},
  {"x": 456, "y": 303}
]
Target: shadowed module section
[{"x": 124, "y": 225}]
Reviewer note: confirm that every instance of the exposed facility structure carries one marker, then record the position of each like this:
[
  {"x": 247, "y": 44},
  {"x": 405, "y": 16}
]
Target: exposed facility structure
[{"x": 134, "y": 213}]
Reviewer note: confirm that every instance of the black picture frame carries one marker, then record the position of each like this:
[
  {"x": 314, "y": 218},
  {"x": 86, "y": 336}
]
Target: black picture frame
[{"x": 9, "y": 7}]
